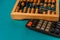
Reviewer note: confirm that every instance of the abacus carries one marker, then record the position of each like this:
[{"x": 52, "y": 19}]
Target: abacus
[
  {"x": 36, "y": 9},
  {"x": 47, "y": 27}
]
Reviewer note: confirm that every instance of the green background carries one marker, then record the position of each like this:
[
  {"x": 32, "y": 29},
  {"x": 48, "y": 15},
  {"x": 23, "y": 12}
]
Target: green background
[{"x": 16, "y": 30}]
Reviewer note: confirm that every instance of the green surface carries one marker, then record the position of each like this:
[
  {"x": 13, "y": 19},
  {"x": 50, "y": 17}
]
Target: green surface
[{"x": 16, "y": 30}]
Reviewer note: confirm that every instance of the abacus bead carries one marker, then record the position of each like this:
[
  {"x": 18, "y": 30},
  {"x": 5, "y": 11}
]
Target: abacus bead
[
  {"x": 32, "y": 10},
  {"x": 44, "y": 12},
  {"x": 23, "y": 4},
  {"x": 52, "y": 6},
  {"x": 45, "y": 5},
  {"x": 25, "y": 9},
  {"x": 36, "y": 10},
  {"x": 29, "y": 9},
  {"x": 20, "y": 11}
]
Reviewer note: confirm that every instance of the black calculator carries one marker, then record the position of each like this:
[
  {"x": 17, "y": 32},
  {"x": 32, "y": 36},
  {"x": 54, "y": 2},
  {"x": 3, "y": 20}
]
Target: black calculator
[{"x": 52, "y": 28}]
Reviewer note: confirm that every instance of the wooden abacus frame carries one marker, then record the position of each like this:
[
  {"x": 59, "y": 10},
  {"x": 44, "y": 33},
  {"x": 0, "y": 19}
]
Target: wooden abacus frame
[{"x": 49, "y": 17}]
